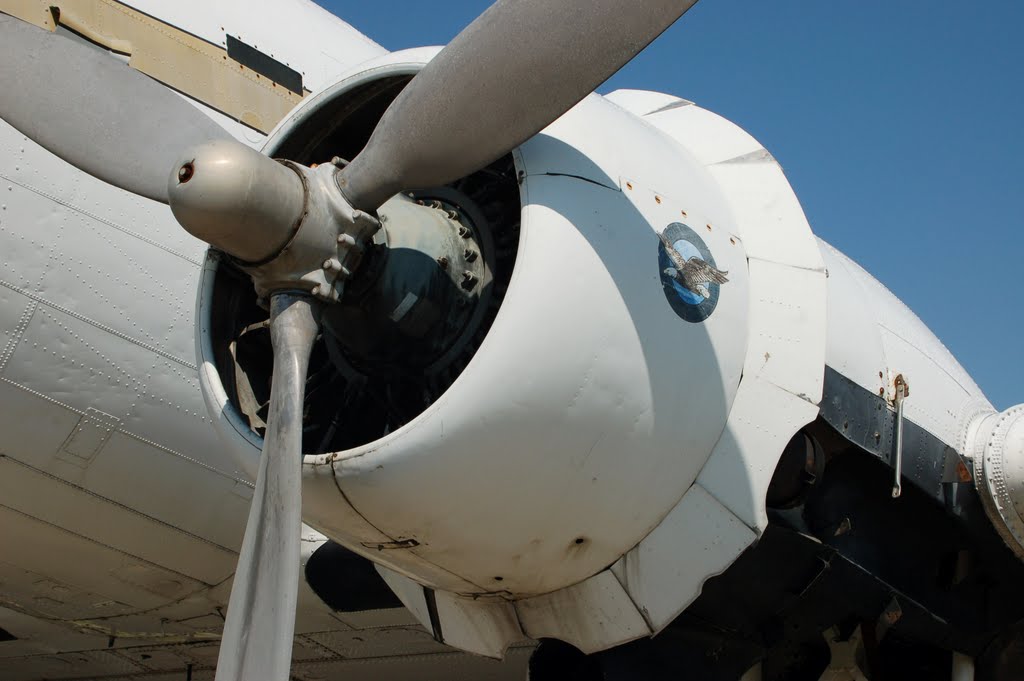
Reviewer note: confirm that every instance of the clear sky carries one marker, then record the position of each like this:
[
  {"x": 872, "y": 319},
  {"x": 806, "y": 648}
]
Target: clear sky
[{"x": 898, "y": 123}]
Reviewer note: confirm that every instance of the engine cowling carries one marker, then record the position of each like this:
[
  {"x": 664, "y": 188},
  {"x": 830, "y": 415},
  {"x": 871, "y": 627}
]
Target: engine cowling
[{"x": 581, "y": 424}]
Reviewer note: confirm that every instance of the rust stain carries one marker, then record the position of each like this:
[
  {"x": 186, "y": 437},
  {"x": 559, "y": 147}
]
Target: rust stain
[{"x": 962, "y": 473}]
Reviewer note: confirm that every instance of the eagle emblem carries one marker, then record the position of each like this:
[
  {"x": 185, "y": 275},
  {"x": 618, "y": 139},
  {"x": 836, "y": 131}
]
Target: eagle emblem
[{"x": 694, "y": 273}]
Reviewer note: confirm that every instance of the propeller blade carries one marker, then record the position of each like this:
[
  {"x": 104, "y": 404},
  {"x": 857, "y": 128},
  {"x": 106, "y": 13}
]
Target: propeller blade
[
  {"x": 519, "y": 66},
  {"x": 257, "y": 640},
  {"x": 94, "y": 111}
]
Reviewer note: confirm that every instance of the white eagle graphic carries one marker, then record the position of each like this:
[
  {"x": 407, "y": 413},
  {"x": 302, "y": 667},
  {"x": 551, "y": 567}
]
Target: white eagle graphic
[{"x": 693, "y": 274}]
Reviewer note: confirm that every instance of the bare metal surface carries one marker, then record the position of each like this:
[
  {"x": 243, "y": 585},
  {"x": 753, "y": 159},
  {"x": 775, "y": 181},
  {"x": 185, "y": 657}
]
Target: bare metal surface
[
  {"x": 322, "y": 250},
  {"x": 515, "y": 69},
  {"x": 999, "y": 473},
  {"x": 95, "y": 111},
  {"x": 257, "y": 640},
  {"x": 235, "y": 199}
]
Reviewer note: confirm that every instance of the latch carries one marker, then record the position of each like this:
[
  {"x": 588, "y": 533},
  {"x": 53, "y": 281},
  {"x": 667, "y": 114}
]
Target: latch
[{"x": 902, "y": 392}]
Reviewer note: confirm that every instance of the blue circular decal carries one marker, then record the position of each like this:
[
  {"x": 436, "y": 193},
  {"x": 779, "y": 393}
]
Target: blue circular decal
[{"x": 689, "y": 276}]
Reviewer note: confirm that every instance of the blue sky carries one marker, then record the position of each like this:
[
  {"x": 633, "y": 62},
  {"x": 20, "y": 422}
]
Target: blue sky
[{"x": 898, "y": 124}]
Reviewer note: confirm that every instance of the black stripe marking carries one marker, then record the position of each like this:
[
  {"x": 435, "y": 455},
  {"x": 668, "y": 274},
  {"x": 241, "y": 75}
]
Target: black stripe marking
[{"x": 264, "y": 64}]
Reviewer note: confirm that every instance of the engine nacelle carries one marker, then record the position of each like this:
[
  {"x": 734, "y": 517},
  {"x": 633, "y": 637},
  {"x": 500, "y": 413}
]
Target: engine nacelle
[
  {"x": 603, "y": 439},
  {"x": 998, "y": 453}
]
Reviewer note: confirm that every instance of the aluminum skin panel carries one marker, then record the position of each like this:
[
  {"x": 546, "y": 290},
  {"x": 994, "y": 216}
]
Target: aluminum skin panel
[
  {"x": 592, "y": 615},
  {"x": 665, "y": 572},
  {"x": 892, "y": 340}
]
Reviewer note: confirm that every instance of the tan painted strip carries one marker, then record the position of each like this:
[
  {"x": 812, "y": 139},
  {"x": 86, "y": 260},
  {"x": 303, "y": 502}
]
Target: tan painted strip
[
  {"x": 170, "y": 55},
  {"x": 33, "y": 11}
]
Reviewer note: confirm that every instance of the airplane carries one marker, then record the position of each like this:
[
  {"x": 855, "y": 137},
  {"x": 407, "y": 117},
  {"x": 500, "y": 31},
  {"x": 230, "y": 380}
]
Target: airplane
[{"x": 740, "y": 455}]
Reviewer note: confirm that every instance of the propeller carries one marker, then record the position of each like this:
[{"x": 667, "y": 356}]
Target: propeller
[
  {"x": 260, "y": 624},
  {"x": 97, "y": 113},
  {"x": 519, "y": 66},
  {"x": 509, "y": 74}
]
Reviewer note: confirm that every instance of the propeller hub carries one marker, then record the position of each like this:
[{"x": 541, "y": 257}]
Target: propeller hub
[
  {"x": 288, "y": 226},
  {"x": 236, "y": 199}
]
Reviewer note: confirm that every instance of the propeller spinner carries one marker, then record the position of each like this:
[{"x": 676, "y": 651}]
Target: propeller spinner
[{"x": 299, "y": 232}]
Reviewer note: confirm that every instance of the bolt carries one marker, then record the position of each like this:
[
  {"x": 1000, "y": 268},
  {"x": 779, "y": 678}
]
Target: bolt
[
  {"x": 346, "y": 240},
  {"x": 443, "y": 262},
  {"x": 453, "y": 214},
  {"x": 464, "y": 231},
  {"x": 334, "y": 265},
  {"x": 468, "y": 280},
  {"x": 469, "y": 254},
  {"x": 186, "y": 172}
]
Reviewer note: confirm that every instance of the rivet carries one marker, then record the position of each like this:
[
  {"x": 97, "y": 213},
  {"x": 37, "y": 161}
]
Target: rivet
[{"x": 657, "y": 199}]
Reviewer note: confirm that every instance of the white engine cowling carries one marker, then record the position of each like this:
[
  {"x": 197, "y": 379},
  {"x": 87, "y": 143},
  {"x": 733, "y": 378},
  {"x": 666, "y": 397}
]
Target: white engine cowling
[{"x": 609, "y": 445}]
